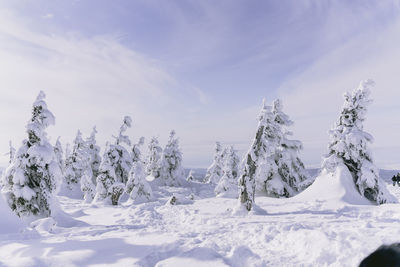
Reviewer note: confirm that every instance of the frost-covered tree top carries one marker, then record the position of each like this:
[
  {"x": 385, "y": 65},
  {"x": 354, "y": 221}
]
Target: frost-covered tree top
[
  {"x": 41, "y": 119},
  {"x": 136, "y": 153},
  {"x": 127, "y": 123},
  {"x": 349, "y": 145}
]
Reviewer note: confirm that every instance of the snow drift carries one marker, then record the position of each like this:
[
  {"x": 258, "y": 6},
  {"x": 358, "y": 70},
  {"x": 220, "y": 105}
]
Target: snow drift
[{"x": 334, "y": 187}]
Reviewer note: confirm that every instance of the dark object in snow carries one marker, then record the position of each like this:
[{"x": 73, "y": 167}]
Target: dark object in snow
[
  {"x": 396, "y": 179},
  {"x": 173, "y": 200},
  {"x": 384, "y": 256}
]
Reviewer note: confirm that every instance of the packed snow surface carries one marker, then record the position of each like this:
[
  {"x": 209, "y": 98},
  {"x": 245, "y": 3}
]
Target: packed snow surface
[{"x": 326, "y": 225}]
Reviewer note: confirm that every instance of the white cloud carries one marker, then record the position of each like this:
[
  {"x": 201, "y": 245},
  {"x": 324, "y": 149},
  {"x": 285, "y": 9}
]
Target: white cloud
[{"x": 88, "y": 81}]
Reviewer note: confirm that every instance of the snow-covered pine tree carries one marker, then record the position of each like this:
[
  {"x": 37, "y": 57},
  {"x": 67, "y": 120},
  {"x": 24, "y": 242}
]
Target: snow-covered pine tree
[
  {"x": 190, "y": 177},
  {"x": 136, "y": 153},
  {"x": 171, "y": 171},
  {"x": 94, "y": 152},
  {"x": 214, "y": 172},
  {"x": 228, "y": 184},
  {"x": 286, "y": 176},
  {"x": 349, "y": 146},
  {"x": 139, "y": 189},
  {"x": 59, "y": 152},
  {"x": 259, "y": 150},
  {"x": 30, "y": 182},
  {"x": 11, "y": 152},
  {"x": 153, "y": 159},
  {"x": 115, "y": 167},
  {"x": 77, "y": 165}
]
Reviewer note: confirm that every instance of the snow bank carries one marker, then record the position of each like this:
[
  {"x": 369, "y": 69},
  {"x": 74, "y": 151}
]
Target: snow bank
[
  {"x": 9, "y": 222},
  {"x": 334, "y": 187}
]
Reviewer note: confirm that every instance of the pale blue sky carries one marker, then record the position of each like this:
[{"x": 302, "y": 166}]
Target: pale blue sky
[{"x": 200, "y": 67}]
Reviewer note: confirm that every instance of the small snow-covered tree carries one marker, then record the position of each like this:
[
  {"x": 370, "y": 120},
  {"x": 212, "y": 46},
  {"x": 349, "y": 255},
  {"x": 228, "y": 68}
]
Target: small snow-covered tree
[
  {"x": 77, "y": 165},
  {"x": 115, "y": 167},
  {"x": 153, "y": 159},
  {"x": 139, "y": 189},
  {"x": 59, "y": 152},
  {"x": 88, "y": 188},
  {"x": 136, "y": 153},
  {"x": 171, "y": 171},
  {"x": 228, "y": 184},
  {"x": 349, "y": 145},
  {"x": 94, "y": 152},
  {"x": 214, "y": 172},
  {"x": 259, "y": 150},
  {"x": 190, "y": 177},
  {"x": 30, "y": 182},
  {"x": 11, "y": 152}
]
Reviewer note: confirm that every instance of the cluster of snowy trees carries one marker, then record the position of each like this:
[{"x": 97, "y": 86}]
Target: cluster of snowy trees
[
  {"x": 38, "y": 171},
  {"x": 272, "y": 164},
  {"x": 224, "y": 170}
]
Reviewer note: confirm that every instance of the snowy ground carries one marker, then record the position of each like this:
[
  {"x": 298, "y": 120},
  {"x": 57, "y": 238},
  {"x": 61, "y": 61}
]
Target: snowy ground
[{"x": 203, "y": 232}]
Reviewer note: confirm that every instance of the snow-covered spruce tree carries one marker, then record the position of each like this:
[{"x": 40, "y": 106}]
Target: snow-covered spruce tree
[
  {"x": 214, "y": 172},
  {"x": 114, "y": 168},
  {"x": 94, "y": 152},
  {"x": 171, "y": 171},
  {"x": 259, "y": 149},
  {"x": 153, "y": 159},
  {"x": 59, "y": 152},
  {"x": 11, "y": 152},
  {"x": 136, "y": 153},
  {"x": 349, "y": 145},
  {"x": 139, "y": 189},
  {"x": 77, "y": 165},
  {"x": 190, "y": 177},
  {"x": 282, "y": 173},
  {"x": 228, "y": 184},
  {"x": 30, "y": 181}
]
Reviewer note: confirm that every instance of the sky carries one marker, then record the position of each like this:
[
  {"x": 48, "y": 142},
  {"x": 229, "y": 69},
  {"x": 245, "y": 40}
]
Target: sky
[{"x": 201, "y": 68}]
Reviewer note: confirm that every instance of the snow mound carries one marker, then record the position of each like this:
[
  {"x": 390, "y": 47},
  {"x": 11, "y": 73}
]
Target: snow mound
[
  {"x": 9, "y": 222},
  {"x": 334, "y": 187}
]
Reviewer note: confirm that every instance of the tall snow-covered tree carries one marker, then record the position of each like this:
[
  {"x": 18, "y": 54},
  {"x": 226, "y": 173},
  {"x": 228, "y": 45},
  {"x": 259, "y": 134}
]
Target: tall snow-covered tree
[
  {"x": 171, "y": 171},
  {"x": 136, "y": 153},
  {"x": 349, "y": 146},
  {"x": 282, "y": 173},
  {"x": 153, "y": 159},
  {"x": 94, "y": 152},
  {"x": 228, "y": 184},
  {"x": 30, "y": 181},
  {"x": 115, "y": 167},
  {"x": 259, "y": 150},
  {"x": 214, "y": 172},
  {"x": 77, "y": 165}
]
